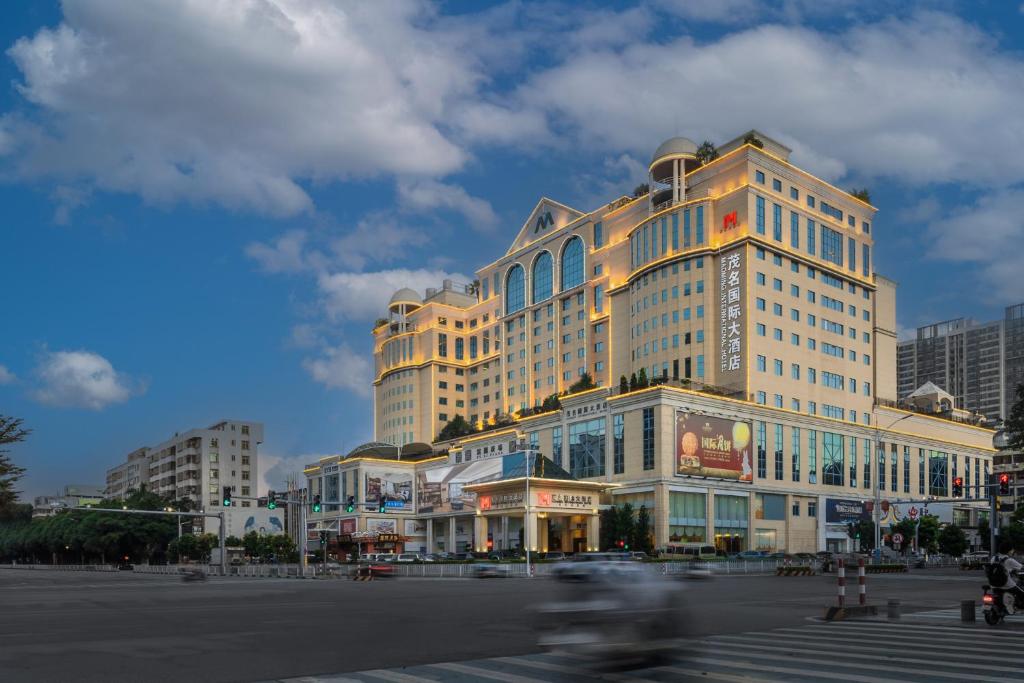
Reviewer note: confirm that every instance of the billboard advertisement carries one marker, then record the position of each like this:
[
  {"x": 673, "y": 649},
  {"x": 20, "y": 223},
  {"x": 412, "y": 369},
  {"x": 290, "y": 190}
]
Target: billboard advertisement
[
  {"x": 439, "y": 489},
  {"x": 713, "y": 447},
  {"x": 415, "y": 527},
  {"x": 381, "y": 525},
  {"x": 395, "y": 487},
  {"x": 839, "y": 511},
  {"x": 731, "y": 319}
]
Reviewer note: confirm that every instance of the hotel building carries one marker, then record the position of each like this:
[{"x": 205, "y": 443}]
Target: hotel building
[{"x": 744, "y": 287}]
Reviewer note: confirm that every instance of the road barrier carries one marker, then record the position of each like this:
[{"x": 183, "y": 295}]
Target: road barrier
[
  {"x": 795, "y": 571},
  {"x": 841, "y": 585},
  {"x": 862, "y": 586}
]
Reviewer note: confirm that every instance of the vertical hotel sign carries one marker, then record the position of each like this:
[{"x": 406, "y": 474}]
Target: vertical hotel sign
[{"x": 730, "y": 316}]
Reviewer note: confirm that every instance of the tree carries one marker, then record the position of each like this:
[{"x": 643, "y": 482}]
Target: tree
[
  {"x": 625, "y": 523},
  {"x": 233, "y": 542},
  {"x": 928, "y": 533},
  {"x": 11, "y": 431},
  {"x": 906, "y": 528},
  {"x": 642, "y": 540},
  {"x": 609, "y": 528},
  {"x": 864, "y": 531},
  {"x": 985, "y": 532},
  {"x": 952, "y": 540},
  {"x": 584, "y": 383},
  {"x": 634, "y": 384},
  {"x": 623, "y": 385},
  {"x": 641, "y": 190},
  {"x": 706, "y": 152},
  {"x": 862, "y": 194},
  {"x": 454, "y": 428},
  {"x": 1014, "y": 422},
  {"x": 752, "y": 139},
  {"x": 641, "y": 379}
]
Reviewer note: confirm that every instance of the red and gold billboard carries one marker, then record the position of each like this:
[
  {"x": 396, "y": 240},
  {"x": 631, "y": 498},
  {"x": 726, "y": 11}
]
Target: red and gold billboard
[{"x": 713, "y": 447}]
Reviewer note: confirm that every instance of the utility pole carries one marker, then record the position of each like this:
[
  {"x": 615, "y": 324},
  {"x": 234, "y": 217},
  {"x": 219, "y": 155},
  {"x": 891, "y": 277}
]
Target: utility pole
[
  {"x": 223, "y": 549},
  {"x": 526, "y": 521},
  {"x": 877, "y": 513},
  {"x": 993, "y": 521},
  {"x": 305, "y": 534}
]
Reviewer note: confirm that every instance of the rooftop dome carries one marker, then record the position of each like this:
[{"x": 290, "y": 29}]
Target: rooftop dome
[
  {"x": 379, "y": 449},
  {"x": 405, "y": 296},
  {"x": 675, "y": 147}
]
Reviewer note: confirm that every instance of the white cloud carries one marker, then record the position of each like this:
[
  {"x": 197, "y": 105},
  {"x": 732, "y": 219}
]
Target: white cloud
[
  {"x": 81, "y": 379},
  {"x": 364, "y": 296},
  {"x": 428, "y": 195},
  {"x": 6, "y": 376},
  {"x": 379, "y": 237},
  {"x": 911, "y": 99},
  {"x": 238, "y": 102},
  {"x": 284, "y": 256},
  {"x": 987, "y": 234},
  {"x": 339, "y": 367}
]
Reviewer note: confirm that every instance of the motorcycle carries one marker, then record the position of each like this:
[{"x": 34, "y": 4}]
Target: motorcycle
[{"x": 998, "y": 603}]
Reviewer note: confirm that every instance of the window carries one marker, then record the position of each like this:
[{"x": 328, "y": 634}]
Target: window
[
  {"x": 831, "y": 246},
  {"x": 794, "y": 339},
  {"x": 556, "y": 445},
  {"x": 794, "y": 193},
  {"x": 760, "y": 215},
  {"x": 759, "y": 177},
  {"x": 762, "y": 398},
  {"x": 796, "y": 508},
  {"x": 648, "y": 438},
  {"x": 762, "y": 364},
  {"x": 762, "y": 455},
  {"x": 795, "y": 465},
  {"x": 442, "y": 345},
  {"x": 794, "y": 231},
  {"x": 777, "y": 222},
  {"x": 778, "y": 453},
  {"x": 776, "y": 184},
  {"x": 777, "y": 333},
  {"x": 572, "y": 264},
  {"x": 810, "y": 238},
  {"x": 832, "y": 459},
  {"x": 794, "y": 370},
  {"x": 459, "y": 348},
  {"x": 906, "y": 470},
  {"x": 700, "y": 232},
  {"x": 777, "y": 284},
  {"x": 761, "y": 329},
  {"x": 598, "y": 299},
  {"x": 598, "y": 235},
  {"x": 794, "y": 290},
  {"x": 778, "y": 368},
  {"x": 812, "y": 456},
  {"x": 586, "y": 448},
  {"x": 938, "y": 484},
  {"x": 760, "y": 279},
  {"x": 542, "y": 267},
  {"x": 515, "y": 292},
  {"x": 853, "y": 462}
]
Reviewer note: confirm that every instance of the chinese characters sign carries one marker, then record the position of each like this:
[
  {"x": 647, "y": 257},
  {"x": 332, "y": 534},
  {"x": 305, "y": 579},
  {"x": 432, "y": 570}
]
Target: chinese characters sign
[
  {"x": 713, "y": 447},
  {"x": 730, "y": 318}
]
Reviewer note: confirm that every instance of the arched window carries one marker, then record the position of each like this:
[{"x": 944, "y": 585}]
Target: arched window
[
  {"x": 515, "y": 289},
  {"x": 542, "y": 277},
  {"x": 572, "y": 264}
]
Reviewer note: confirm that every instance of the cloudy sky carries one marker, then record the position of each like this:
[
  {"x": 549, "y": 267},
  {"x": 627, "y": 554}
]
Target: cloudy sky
[{"x": 206, "y": 203}]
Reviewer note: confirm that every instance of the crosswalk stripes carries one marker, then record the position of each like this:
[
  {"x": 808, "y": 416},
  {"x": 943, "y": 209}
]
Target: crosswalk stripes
[{"x": 860, "y": 651}]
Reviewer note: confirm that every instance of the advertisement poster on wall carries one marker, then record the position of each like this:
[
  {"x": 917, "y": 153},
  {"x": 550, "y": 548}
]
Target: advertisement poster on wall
[
  {"x": 713, "y": 447},
  {"x": 348, "y": 526},
  {"x": 381, "y": 525},
  {"x": 439, "y": 489},
  {"x": 415, "y": 527},
  {"x": 395, "y": 487}
]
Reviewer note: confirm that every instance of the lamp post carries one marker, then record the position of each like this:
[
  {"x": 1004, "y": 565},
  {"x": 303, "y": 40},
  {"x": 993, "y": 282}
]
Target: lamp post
[{"x": 878, "y": 490}]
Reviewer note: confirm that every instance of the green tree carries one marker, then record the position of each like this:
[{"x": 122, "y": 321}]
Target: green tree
[
  {"x": 952, "y": 540},
  {"x": 641, "y": 190},
  {"x": 642, "y": 539},
  {"x": 454, "y": 428},
  {"x": 1014, "y": 422},
  {"x": 863, "y": 531},
  {"x": 928, "y": 533},
  {"x": 641, "y": 379},
  {"x": 550, "y": 403},
  {"x": 609, "y": 521},
  {"x": 11, "y": 431},
  {"x": 862, "y": 194},
  {"x": 634, "y": 383},
  {"x": 752, "y": 139},
  {"x": 584, "y": 383},
  {"x": 706, "y": 152},
  {"x": 985, "y": 532},
  {"x": 625, "y": 523},
  {"x": 232, "y": 542},
  {"x": 623, "y": 385}
]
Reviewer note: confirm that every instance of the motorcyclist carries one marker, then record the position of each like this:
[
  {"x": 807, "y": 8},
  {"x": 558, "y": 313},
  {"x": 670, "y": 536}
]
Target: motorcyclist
[{"x": 1013, "y": 594}]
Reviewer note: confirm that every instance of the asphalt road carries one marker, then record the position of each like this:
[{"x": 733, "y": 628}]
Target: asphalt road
[{"x": 127, "y": 627}]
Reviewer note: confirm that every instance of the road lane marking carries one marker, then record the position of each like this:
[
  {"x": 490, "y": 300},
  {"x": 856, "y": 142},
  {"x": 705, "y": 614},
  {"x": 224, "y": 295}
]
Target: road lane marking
[
  {"x": 910, "y": 640},
  {"x": 779, "y": 670},
  {"x": 396, "y": 676},
  {"x": 485, "y": 673},
  {"x": 860, "y": 655}
]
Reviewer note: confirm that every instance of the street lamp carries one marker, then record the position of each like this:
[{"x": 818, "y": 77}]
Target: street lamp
[{"x": 878, "y": 483}]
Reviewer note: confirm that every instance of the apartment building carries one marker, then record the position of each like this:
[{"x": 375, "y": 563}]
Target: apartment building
[{"x": 980, "y": 364}]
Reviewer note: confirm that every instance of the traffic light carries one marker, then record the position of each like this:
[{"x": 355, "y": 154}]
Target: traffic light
[
  {"x": 382, "y": 504},
  {"x": 227, "y": 497},
  {"x": 323, "y": 538},
  {"x": 350, "y": 506},
  {"x": 271, "y": 500},
  {"x": 1004, "y": 484},
  {"x": 316, "y": 503},
  {"x": 958, "y": 487}
]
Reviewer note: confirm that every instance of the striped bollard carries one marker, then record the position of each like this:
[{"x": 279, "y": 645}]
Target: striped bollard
[
  {"x": 841, "y": 572},
  {"x": 861, "y": 582}
]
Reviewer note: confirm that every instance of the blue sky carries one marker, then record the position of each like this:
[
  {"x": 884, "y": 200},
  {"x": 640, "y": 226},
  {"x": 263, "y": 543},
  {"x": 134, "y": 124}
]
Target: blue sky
[{"x": 206, "y": 204}]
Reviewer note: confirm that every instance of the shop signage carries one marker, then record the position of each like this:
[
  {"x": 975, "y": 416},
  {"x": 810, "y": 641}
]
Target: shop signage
[
  {"x": 544, "y": 221},
  {"x": 712, "y": 447},
  {"x": 564, "y": 500},
  {"x": 729, "y": 221},
  {"x": 348, "y": 525},
  {"x": 730, "y": 314},
  {"x": 330, "y": 469},
  {"x": 839, "y": 511},
  {"x": 501, "y": 500},
  {"x": 388, "y": 538}
]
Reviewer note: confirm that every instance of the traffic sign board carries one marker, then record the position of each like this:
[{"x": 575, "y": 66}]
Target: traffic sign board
[
  {"x": 897, "y": 538},
  {"x": 912, "y": 513}
]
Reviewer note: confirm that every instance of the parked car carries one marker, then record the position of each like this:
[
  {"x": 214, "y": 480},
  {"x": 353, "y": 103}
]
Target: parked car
[
  {"x": 462, "y": 557},
  {"x": 805, "y": 557},
  {"x": 552, "y": 555},
  {"x": 691, "y": 551},
  {"x": 747, "y": 555},
  {"x": 638, "y": 555},
  {"x": 408, "y": 558},
  {"x": 385, "y": 557},
  {"x": 975, "y": 560}
]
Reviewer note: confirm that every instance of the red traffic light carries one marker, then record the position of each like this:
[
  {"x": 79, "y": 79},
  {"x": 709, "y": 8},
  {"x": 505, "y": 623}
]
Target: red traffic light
[{"x": 1004, "y": 484}]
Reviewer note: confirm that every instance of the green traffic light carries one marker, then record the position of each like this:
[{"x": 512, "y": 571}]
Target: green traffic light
[{"x": 271, "y": 505}]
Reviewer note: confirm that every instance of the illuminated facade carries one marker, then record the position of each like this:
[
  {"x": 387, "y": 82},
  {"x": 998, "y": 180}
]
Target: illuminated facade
[{"x": 745, "y": 287}]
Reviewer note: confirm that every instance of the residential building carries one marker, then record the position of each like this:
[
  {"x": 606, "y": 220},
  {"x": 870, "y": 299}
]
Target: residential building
[
  {"x": 980, "y": 364},
  {"x": 744, "y": 287}
]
